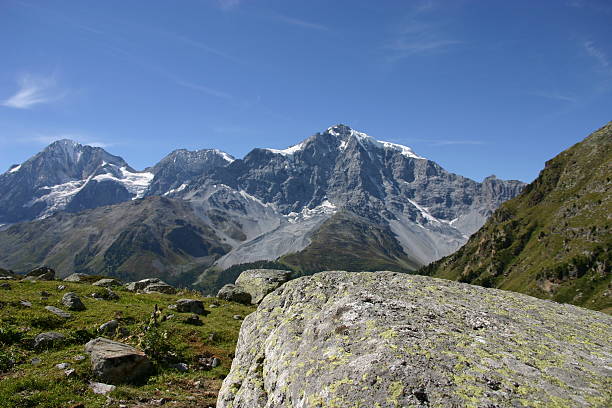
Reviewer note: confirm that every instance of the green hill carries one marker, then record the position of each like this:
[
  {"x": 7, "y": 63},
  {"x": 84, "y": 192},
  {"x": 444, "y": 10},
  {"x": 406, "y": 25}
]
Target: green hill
[{"x": 552, "y": 241}]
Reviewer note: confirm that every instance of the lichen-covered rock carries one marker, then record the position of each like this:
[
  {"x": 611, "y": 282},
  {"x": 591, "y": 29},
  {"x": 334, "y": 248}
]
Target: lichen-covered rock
[
  {"x": 259, "y": 282},
  {"x": 48, "y": 339},
  {"x": 59, "y": 312},
  {"x": 150, "y": 285},
  {"x": 385, "y": 339},
  {"x": 42, "y": 273},
  {"x": 160, "y": 287},
  {"x": 72, "y": 301},
  {"x": 116, "y": 363},
  {"x": 107, "y": 282},
  {"x": 234, "y": 293},
  {"x": 76, "y": 277}
]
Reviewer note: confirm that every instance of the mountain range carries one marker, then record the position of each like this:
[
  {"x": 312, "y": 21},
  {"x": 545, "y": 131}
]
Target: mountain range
[{"x": 339, "y": 199}]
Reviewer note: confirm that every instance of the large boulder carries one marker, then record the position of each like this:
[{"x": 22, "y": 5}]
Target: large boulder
[
  {"x": 395, "y": 340},
  {"x": 234, "y": 293},
  {"x": 116, "y": 363},
  {"x": 76, "y": 277},
  {"x": 150, "y": 285},
  {"x": 190, "y": 306},
  {"x": 259, "y": 282},
  {"x": 42, "y": 273},
  {"x": 72, "y": 301}
]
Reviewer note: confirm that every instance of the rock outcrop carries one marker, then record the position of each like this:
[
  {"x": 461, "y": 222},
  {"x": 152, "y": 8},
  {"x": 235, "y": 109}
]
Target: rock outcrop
[
  {"x": 150, "y": 285},
  {"x": 259, "y": 282},
  {"x": 115, "y": 363},
  {"x": 234, "y": 293},
  {"x": 76, "y": 277},
  {"x": 190, "y": 306},
  {"x": 384, "y": 339},
  {"x": 42, "y": 273}
]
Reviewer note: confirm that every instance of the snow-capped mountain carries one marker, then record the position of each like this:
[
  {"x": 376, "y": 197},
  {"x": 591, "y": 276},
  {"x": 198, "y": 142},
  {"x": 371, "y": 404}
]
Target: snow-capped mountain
[
  {"x": 339, "y": 198},
  {"x": 67, "y": 176}
]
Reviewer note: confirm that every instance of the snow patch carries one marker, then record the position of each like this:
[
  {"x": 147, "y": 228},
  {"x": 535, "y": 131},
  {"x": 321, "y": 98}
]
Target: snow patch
[
  {"x": 369, "y": 140},
  {"x": 176, "y": 190},
  {"x": 135, "y": 183},
  {"x": 424, "y": 212},
  {"x": 15, "y": 169},
  {"x": 288, "y": 151},
  {"x": 325, "y": 208},
  {"x": 224, "y": 155},
  {"x": 58, "y": 196}
]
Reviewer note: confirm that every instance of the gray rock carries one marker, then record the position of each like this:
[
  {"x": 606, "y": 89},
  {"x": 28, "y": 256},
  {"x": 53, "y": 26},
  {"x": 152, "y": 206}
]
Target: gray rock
[
  {"x": 44, "y": 294},
  {"x": 182, "y": 367},
  {"x": 116, "y": 363},
  {"x": 76, "y": 277},
  {"x": 25, "y": 303},
  {"x": 394, "y": 340},
  {"x": 109, "y": 327},
  {"x": 35, "y": 361},
  {"x": 101, "y": 388},
  {"x": 107, "y": 282},
  {"x": 72, "y": 301},
  {"x": 216, "y": 362},
  {"x": 5, "y": 286},
  {"x": 42, "y": 273},
  {"x": 48, "y": 340},
  {"x": 6, "y": 278},
  {"x": 190, "y": 306},
  {"x": 59, "y": 312},
  {"x": 70, "y": 372},
  {"x": 237, "y": 317},
  {"x": 141, "y": 284},
  {"x": 160, "y": 288},
  {"x": 61, "y": 287},
  {"x": 106, "y": 294},
  {"x": 234, "y": 293},
  {"x": 194, "y": 319},
  {"x": 78, "y": 357},
  {"x": 259, "y": 282},
  {"x": 62, "y": 366}
]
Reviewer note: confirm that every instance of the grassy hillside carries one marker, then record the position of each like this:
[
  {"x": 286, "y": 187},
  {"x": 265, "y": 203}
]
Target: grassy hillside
[
  {"x": 552, "y": 241},
  {"x": 138, "y": 239},
  {"x": 350, "y": 243},
  {"x": 39, "y": 384}
]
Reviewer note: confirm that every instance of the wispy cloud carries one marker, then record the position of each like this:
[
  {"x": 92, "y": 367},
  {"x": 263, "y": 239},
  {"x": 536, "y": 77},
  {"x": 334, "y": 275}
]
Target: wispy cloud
[
  {"x": 442, "y": 142},
  {"x": 34, "y": 91},
  {"x": 299, "y": 22},
  {"x": 46, "y": 139},
  {"x": 553, "y": 95},
  {"x": 420, "y": 34},
  {"x": 228, "y": 4},
  {"x": 597, "y": 53},
  {"x": 205, "y": 89}
]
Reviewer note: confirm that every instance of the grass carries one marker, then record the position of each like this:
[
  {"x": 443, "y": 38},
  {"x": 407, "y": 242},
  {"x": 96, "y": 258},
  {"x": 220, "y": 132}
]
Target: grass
[{"x": 23, "y": 384}]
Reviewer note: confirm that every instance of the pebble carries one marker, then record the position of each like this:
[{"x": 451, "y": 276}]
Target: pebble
[
  {"x": 238, "y": 317},
  {"x": 62, "y": 366}
]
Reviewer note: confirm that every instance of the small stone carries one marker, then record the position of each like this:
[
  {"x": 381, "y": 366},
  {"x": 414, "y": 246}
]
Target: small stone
[
  {"x": 61, "y": 287},
  {"x": 62, "y": 366},
  {"x": 72, "y": 301},
  {"x": 70, "y": 372},
  {"x": 194, "y": 319},
  {"x": 48, "y": 339},
  {"x": 172, "y": 307},
  {"x": 101, "y": 388},
  {"x": 182, "y": 367},
  {"x": 216, "y": 362},
  {"x": 35, "y": 361},
  {"x": 107, "y": 282},
  {"x": 59, "y": 312},
  {"x": 76, "y": 277},
  {"x": 109, "y": 327},
  {"x": 213, "y": 305},
  {"x": 25, "y": 303},
  {"x": 167, "y": 317},
  {"x": 212, "y": 337},
  {"x": 79, "y": 357},
  {"x": 5, "y": 286},
  {"x": 237, "y": 317},
  {"x": 44, "y": 294}
]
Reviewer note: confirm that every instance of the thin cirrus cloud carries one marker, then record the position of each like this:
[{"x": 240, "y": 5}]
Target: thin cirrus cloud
[
  {"x": 34, "y": 91},
  {"x": 298, "y": 22},
  {"x": 598, "y": 54},
  {"x": 46, "y": 139},
  {"x": 204, "y": 89},
  {"x": 554, "y": 95}
]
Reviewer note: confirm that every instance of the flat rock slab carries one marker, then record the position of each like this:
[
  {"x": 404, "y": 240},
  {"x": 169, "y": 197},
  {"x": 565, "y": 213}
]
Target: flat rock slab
[
  {"x": 59, "y": 312},
  {"x": 107, "y": 282},
  {"x": 101, "y": 388},
  {"x": 259, "y": 282},
  {"x": 115, "y": 363},
  {"x": 42, "y": 273},
  {"x": 338, "y": 339}
]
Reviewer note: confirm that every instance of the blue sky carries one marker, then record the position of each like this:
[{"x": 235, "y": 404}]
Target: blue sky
[{"x": 481, "y": 87}]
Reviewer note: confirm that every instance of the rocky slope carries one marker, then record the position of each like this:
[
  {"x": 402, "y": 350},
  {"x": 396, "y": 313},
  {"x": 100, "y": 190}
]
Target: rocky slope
[
  {"x": 339, "y": 339},
  {"x": 155, "y": 236},
  {"x": 552, "y": 241}
]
